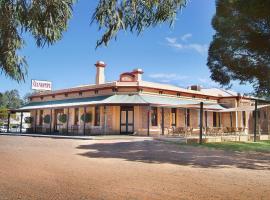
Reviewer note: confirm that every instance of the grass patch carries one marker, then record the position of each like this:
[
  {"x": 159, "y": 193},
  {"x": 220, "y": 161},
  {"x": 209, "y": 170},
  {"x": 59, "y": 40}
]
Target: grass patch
[{"x": 261, "y": 146}]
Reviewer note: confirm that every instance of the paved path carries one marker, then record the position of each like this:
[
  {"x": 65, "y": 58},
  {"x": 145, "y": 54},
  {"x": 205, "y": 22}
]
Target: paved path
[{"x": 124, "y": 168}]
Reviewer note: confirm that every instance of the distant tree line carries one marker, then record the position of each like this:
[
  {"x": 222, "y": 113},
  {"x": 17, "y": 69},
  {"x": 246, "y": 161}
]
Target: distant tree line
[{"x": 10, "y": 100}]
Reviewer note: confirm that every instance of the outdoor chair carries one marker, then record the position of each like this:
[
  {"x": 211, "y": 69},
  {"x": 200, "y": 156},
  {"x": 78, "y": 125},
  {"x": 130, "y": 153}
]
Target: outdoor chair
[
  {"x": 240, "y": 130},
  {"x": 210, "y": 131},
  {"x": 181, "y": 131},
  {"x": 178, "y": 131},
  {"x": 228, "y": 131},
  {"x": 220, "y": 131},
  {"x": 189, "y": 131}
]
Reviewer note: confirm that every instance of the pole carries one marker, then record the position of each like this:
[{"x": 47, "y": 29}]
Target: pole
[
  {"x": 21, "y": 122},
  {"x": 51, "y": 122},
  {"x": 185, "y": 117},
  {"x": 8, "y": 122},
  {"x": 148, "y": 120},
  {"x": 105, "y": 120},
  {"x": 231, "y": 119},
  {"x": 201, "y": 121},
  {"x": 67, "y": 119},
  {"x": 162, "y": 112},
  {"x": 36, "y": 121},
  {"x": 255, "y": 120},
  {"x": 84, "y": 118}
]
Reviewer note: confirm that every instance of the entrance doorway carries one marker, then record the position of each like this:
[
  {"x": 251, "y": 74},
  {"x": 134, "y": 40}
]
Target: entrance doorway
[{"x": 126, "y": 119}]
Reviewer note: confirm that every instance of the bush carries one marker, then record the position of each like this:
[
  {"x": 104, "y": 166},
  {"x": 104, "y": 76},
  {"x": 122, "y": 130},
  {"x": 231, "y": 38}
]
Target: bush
[
  {"x": 87, "y": 118},
  {"x": 28, "y": 120},
  {"x": 62, "y": 118},
  {"x": 47, "y": 119}
]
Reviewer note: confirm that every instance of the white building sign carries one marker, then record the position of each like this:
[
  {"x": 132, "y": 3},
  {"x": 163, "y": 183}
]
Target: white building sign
[{"x": 41, "y": 85}]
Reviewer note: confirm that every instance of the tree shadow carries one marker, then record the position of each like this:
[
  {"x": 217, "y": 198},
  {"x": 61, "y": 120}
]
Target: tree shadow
[{"x": 162, "y": 152}]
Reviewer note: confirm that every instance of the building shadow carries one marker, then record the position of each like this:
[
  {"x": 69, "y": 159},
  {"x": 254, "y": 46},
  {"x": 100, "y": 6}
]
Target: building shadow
[{"x": 185, "y": 155}]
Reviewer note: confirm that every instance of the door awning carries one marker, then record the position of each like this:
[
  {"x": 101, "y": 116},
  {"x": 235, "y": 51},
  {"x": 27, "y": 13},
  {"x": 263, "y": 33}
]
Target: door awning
[
  {"x": 243, "y": 108},
  {"x": 121, "y": 99}
]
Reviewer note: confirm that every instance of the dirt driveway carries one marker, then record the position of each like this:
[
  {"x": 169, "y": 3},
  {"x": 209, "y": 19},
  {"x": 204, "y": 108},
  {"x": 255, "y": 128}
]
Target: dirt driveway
[{"x": 132, "y": 169}]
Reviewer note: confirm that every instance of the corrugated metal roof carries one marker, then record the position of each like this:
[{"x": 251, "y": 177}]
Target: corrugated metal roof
[
  {"x": 167, "y": 101},
  {"x": 243, "y": 108},
  {"x": 125, "y": 99},
  {"x": 136, "y": 99},
  {"x": 64, "y": 103}
]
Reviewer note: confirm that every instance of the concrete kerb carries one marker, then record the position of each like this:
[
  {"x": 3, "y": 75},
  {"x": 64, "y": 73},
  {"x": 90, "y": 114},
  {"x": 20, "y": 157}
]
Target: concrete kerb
[{"x": 96, "y": 137}]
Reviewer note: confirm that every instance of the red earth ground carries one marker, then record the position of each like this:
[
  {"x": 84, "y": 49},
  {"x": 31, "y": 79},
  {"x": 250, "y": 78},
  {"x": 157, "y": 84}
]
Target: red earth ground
[{"x": 129, "y": 168}]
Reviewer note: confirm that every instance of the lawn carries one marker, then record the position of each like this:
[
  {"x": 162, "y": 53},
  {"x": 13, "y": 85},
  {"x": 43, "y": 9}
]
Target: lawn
[{"x": 261, "y": 146}]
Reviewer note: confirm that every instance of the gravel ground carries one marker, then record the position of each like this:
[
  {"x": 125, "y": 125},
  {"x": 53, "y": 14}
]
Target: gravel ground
[{"x": 132, "y": 169}]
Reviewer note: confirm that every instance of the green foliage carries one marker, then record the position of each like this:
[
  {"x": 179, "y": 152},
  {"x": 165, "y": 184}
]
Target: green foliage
[
  {"x": 3, "y": 113},
  {"x": 47, "y": 20},
  {"x": 87, "y": 118},
  {"x": 240, "y": 49},
  {"x": 10, "y": 99},
  {"x": 113, "y": 16},
  {"x": 44, "y": 20},
  {"x": 62, "y": 118},
  {"x": 28, "y": 120},
  {"x": 47, "y": 119}
]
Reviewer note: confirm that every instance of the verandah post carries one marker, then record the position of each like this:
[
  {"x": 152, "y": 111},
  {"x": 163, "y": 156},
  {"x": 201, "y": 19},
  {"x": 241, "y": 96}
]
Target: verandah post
[
  {"x": 8, "y": 122},
  {"x": 84, "y": 118},
  {"x": 21, "y": 122},
  {"x": 148, "y": 120},
  {"x": 162, "y": 112},
  {"x": 105, "y": 120},
  {"x": 51, "y": 122},
  {"x": 255, "y": 119},
  {"x": 231, "y": 119},
  {"x": 201, "y": 121},
  {"x": 36, "y": 115},
  {"x": 67, "y": 119}
]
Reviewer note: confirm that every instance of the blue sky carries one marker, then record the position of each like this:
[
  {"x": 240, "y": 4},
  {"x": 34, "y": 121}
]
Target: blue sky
[{"x": 175, "y": 55}]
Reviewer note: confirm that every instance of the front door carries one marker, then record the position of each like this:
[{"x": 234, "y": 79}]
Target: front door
[{"x": 126, "y": 120}]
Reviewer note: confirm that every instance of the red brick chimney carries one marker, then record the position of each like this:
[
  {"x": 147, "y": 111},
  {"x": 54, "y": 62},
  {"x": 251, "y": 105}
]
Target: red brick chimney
[{"x": 100, "y": 75}]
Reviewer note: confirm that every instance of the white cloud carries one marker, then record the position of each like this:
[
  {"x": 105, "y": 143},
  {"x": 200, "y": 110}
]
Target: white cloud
[
  {"x": 171, "y": 40},
  {"x": 186, "y": 37},
  {"x": 200, "y": 48}
]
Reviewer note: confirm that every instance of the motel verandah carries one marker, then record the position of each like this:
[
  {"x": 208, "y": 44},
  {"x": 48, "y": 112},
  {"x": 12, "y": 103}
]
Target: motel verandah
[{"x": 131, "y": 105}]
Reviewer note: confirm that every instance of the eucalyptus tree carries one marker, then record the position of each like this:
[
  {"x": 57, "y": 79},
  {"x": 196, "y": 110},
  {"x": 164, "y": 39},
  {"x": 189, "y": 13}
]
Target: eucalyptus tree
[{"x": 46, "y": 20}]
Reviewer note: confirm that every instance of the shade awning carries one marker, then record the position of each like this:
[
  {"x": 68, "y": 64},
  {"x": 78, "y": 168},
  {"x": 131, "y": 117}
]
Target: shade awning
[
  {"x": 166, "y": 101},
  {"x": 120, "y": 99},
  {"x": 243, "y": 108},
  {"x": 64, "y": 103},
  {"x": 214, "y": 107}
]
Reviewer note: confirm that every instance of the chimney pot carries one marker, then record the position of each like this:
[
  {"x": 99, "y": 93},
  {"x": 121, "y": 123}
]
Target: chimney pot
[
  {"x": 100, "y": 75},
  {"x": 100, "y": 64}
]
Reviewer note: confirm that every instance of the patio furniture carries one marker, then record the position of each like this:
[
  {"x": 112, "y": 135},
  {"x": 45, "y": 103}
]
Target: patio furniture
[{"x": 188, "y": 131}]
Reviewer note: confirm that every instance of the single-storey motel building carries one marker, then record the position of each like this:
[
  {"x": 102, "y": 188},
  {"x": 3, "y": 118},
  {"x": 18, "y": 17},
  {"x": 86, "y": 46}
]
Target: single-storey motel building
[{"x": 131, "y": 105}]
